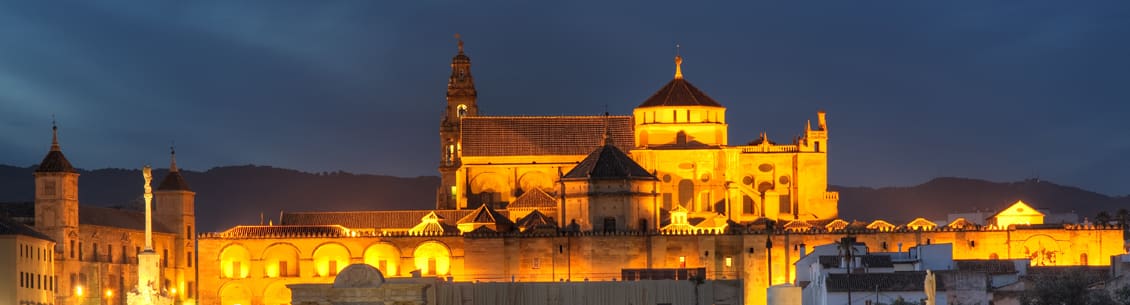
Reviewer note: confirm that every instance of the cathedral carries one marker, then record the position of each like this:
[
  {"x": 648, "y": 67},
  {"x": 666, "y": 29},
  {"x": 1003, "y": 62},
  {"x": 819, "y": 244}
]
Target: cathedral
[
  {"x": 658, "y": 194},
  {"x": 678, "y": 155}
]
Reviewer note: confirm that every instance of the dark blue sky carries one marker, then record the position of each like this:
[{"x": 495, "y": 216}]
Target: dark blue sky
[{"x": 913, "y": 90}]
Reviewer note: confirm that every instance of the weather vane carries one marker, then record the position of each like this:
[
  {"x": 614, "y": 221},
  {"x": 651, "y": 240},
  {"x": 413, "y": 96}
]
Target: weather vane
[{"x": 460, "y": 39}]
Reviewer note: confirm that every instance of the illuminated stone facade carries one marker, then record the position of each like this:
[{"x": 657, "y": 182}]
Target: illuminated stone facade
[
  {"x": 96, "y": 249},
  {"x": 573, "y": 198},
  {"x": 679, "y": 135}
]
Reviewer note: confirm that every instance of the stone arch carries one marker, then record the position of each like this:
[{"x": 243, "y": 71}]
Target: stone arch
[
  {"x": 235, "y": 261},
  {"x": 1043, "y": 250},
  {"x": 234, "y": 293},
  {"x": 330, "y": 258},
  {"x": 994, "y": 256},
  {"x": 489, "y": 187},
  {"x": 276, "y": 294},
  {"x": 432, "y": 258},
  {"x": 280, "y": 260},
  {"x": 535, "y": 179},
  {"x": 686, "y": 192},
  {"x": 384, "y": 256}
]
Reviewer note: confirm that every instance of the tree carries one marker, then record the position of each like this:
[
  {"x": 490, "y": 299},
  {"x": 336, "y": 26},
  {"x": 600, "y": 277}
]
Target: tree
[
  {"x": 1072, "y": 287},
  {"x": 1122, "y": 217},
  {"x": 1103, "y": 218}
]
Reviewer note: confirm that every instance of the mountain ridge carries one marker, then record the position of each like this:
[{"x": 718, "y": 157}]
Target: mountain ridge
[{"x": 232, "y": 195}]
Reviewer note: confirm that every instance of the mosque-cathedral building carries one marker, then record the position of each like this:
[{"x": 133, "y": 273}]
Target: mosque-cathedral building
[
  {"x": 608, "y": 197},
  {"x": 660, "y": 193}
]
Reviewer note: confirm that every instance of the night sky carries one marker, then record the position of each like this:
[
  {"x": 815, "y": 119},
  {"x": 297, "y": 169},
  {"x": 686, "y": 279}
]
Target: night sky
[{"x": 914, "y": 90}]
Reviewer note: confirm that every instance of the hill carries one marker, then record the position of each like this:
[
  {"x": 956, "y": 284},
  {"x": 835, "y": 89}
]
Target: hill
[
  {"x": 232, "y": 195},
  {"x": 936, "y": 198}
]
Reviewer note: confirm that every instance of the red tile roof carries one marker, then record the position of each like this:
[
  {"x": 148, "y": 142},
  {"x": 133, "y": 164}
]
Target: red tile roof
[
  {"x": 534, "y": 199},
  {"x": 542, "y": 135},
  {"x": 608, "y": 162},
  {"x": 404, "y": 219},
  {"x": 679, "y": 92},
  {"x": 283, "y": 231}
]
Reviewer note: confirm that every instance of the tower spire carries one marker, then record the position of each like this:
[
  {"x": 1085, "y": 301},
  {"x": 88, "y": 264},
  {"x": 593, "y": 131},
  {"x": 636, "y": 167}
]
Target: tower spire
[
  {"x": 172, "y": 158},
  {"x": 678, "y": 63},
  {"x": 54, "y": 134}
]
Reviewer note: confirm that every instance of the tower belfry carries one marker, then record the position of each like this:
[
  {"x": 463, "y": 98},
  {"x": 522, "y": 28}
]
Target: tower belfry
[{"x": 461, "y": 102}]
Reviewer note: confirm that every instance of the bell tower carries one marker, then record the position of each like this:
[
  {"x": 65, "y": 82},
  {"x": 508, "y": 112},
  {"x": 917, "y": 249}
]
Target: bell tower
[
  {"x": 56, "y": 198},
  {"x": 461, "y": 102},
  {"x": 175, "y": 208}
]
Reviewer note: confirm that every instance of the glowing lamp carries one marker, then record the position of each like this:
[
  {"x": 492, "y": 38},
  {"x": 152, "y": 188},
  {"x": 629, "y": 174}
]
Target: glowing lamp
[
  {"x": 78, "y": 290},
  {"x": 109, "y": 293}
]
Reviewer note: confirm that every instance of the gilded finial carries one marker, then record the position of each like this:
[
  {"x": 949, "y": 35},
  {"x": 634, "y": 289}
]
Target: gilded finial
[
  {"x": 460, "y": 39},
  {"x": 54, "y": 134},
  {"x": 678, "y": 63}
]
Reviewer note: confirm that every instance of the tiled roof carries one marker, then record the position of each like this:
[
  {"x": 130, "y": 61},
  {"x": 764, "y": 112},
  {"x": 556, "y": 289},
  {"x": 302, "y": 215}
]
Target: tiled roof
[
  {"x": 10, "y": 226},
  {"x": 679, "y": 92},
  {"x": 608, "y": 162},
  {"x": 897, "y": 281},
  {"x": 55, "y": 162},
  {"x": 536, "y": 220},
  {"x": 403, "y": 219},
  {"x": 283, "y": 231},
  {"x": 117, "y": 218},
  {"x": 542, "y": 135},
  {"x": 534, "y": 199},
  {"x": 484, "y": 214},
  {"x": 988, "y": 266},
  {"x": 173, "y": 182}
]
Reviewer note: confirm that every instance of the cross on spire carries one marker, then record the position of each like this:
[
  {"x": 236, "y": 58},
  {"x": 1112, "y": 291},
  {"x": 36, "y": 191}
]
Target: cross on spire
[{"x": 54, "y": 134}]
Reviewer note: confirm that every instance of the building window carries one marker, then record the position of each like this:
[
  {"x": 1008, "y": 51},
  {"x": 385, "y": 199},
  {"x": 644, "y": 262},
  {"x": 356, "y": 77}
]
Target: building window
[
  {"x": 94, "y": 258},
  {"x": 49, "y": 188},
  {"x": 188, "y": 232},
  {"x": 682, "y": 262},
  {"x": 729, "y": 262},
  {"x": 188, "y": 258},
  {"x": 282, "y": 269},
  {"x": 537, "y": 263},
  {"x": 462, "y": 110},
  {"x": 237, "y": 271},
  {"x": 165, "y": 258},
  {"x": 80, "y": 250}
]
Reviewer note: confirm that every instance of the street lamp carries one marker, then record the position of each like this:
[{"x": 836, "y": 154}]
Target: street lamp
[{"x": 78, "y": 290}]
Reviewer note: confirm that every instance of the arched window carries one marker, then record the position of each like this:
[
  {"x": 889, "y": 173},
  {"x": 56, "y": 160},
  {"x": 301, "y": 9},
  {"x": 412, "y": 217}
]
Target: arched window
[
  {"x": 385, "y": 257},
  {"x": 234, "y": 262},
  {"x": 432, "y": 258},
  {"x": 461, "y": 110},
  {"x": 993, "y": 256},
  {"x": 280, "y": 260},
  {"x": 817, "y": 146},
  {"x": 329, "y": 259}
]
